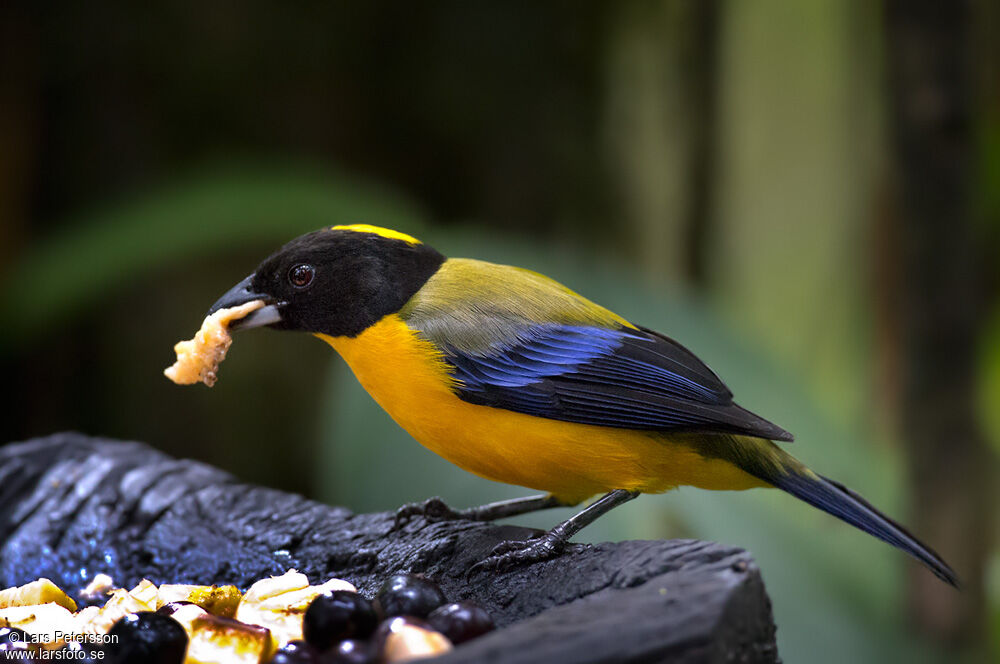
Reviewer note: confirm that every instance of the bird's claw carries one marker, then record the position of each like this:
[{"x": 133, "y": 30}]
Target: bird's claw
[
  {"x": 508, "y": 555},
  {"x": 432, "y": 509}
]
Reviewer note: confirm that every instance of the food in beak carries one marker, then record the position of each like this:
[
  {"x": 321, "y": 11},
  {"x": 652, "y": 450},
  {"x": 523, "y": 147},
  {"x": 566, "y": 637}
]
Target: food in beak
[{"x": 198, "y": 359}]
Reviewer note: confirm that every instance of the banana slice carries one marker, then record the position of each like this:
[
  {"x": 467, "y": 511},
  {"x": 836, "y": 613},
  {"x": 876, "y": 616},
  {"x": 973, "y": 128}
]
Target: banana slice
[
  {"x": 41, "y": 591},
  {"x": 145, "y": 592},
  {"x": 50, "y": 625},
  {"x": 278, "y": 603},
  {"x": 122, "y": 603},
  {"x": 213, "y": 639},
  {"x": 217, "y": 600}
]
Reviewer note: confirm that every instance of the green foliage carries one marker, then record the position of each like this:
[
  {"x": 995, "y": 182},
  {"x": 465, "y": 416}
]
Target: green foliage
[
  {"x": 209, "y": 213},
  {"x": 989, "y": 390}
]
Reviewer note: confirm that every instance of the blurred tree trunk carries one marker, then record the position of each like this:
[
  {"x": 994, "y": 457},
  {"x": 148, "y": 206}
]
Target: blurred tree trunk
[
  {"x": 702, "y": 85},
  {"x": 942, "y": 303},
  {"x": 18, "y": 97},
  {"x": 660, "y": 120}
]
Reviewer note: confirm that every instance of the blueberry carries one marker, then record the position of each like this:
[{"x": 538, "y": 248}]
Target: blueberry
[
  {"x": 16, "y": 646},
  {"x": 82, "y": 652},
  {"x": 7, "y": 647},
  {"x": 13, "y": 635},
  {"x": 146, "y": 637},
  {"x": 296, "y": 652},
  {"x": 338, "y": 615},
  {"x": 408, "y": 595},
  {"x": 461, "y": 621},
  {"x": 13, "y": 639},
  {"x": 350, "y": 651}
]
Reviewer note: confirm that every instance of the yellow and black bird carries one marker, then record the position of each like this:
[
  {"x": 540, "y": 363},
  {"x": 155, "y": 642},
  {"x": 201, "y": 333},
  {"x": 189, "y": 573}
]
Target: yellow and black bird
[{"x": 516, "y": 378}]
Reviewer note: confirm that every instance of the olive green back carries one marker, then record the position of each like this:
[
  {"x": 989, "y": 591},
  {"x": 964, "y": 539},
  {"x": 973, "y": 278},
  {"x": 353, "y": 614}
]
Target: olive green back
[{"x": 474, "y": 306}]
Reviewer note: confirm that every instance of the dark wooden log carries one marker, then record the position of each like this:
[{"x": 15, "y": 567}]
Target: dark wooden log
[{"x": 72, "y": 506}]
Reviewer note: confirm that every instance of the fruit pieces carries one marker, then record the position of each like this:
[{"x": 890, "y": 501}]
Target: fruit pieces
[
  {"x": 461, "y": 621},
  {"x": 98, "y": 620},
  {"x": 218, "y": 639},
  {"x": 274, "y": 612},
  {"x": 408, "y": 595},
  {"x": 403, "y": 639},
  {"x": 40, "y": 609},
  {"x": 336, "y": 616},
  {"x": 298, "y": 652},
  {"x": 205, "y": 612},
  {"x": 337, "y": 623},
  {"x": 147, "y": 637},
  {"x": 198, "y": 358},
  {"x": 217, "y": 600},
  {"x": 280, "y": 602},
  {"x": 351, "y": 651},
  {"x": 42, "y": 591},
  {"x": 14, "y": 640},
  {"x": 41, "y": 622}
]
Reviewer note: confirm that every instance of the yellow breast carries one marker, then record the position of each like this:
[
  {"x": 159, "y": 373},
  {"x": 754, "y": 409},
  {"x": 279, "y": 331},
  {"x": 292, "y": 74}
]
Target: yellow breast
[{"x": 408, "y": 377}]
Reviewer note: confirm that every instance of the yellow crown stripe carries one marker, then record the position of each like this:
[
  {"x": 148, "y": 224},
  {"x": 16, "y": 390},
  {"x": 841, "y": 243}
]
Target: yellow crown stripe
[{"x": 377, "y": 230}]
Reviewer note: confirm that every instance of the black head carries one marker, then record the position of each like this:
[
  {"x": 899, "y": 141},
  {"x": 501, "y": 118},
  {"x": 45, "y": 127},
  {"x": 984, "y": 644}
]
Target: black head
[{"x": 338, "y": 281}]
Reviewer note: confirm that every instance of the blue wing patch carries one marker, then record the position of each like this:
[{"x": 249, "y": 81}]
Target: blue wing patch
[{"x": 623, "y": 378}]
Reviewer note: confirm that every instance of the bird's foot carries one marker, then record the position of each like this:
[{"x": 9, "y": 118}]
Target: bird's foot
[
  {"x": 432, "y": 509},
  {"x": 508, "y": 555}
]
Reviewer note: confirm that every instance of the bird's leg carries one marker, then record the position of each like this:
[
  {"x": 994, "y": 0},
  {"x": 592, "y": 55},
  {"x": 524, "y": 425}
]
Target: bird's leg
[
  {"x": 435, "y": 509},
  {"x": 552, "y": 543}
]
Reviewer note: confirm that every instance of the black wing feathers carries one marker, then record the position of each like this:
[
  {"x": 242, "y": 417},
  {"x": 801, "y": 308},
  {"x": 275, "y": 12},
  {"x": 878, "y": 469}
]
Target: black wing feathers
[{"x": 623, "y": 378}]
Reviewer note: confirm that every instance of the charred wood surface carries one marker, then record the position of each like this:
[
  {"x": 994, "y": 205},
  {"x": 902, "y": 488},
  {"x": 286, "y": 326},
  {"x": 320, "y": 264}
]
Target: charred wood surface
[{"x": 73, "y": 506}]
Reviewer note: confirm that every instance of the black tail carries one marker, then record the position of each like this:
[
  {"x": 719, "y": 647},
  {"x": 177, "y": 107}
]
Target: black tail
[{"x": 836, "y": 499}]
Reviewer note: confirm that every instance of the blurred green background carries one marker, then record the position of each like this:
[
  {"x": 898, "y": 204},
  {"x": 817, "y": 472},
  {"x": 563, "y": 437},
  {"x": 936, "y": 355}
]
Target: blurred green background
[{"x": 807, "y": 194}]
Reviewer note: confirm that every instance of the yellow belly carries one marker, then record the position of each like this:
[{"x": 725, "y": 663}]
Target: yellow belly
[{"x": 408, "y": 378}]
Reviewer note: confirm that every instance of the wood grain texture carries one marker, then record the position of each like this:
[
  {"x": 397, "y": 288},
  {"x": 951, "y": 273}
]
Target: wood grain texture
[{"x": 73, "y": 506}]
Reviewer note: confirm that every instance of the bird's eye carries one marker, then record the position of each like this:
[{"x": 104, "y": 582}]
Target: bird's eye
[{"x": 301, "y": 275}]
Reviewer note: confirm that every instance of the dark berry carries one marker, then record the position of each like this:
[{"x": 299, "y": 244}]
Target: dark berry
[
  {"x": 13, "y": 635},
  {"x": 296, "y": 652},
  {"x": 350, "y": 651},
  {"x": 390, "y": 625},
  {"x": 408, "y": 595},
  {"x": 83, "y": 652},
  {"x": 13, "y": 639},
  {"x": 461, "y": 621},
  {"x": 146, "y": 638},
  {"x": 338, "y": 615},
  {"x": 17, "y": 646},
  {"x": 26, "y": 650}
]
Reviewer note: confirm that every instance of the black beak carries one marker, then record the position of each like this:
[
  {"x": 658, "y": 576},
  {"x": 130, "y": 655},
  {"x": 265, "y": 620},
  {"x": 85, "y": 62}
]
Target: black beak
[{"x": 242, "y": 293}]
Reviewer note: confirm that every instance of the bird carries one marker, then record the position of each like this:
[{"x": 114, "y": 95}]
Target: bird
[{"x": 514, "y": 377}]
